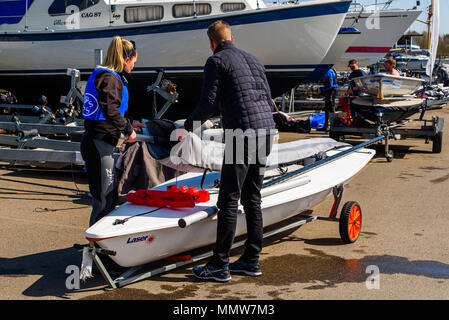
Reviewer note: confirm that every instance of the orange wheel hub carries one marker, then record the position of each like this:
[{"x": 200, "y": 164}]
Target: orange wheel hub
[{"x": 354, "y": 223}]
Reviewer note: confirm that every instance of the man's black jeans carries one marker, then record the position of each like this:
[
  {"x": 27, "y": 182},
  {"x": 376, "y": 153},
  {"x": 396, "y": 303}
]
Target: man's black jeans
[{"x": 241, "y": 180}]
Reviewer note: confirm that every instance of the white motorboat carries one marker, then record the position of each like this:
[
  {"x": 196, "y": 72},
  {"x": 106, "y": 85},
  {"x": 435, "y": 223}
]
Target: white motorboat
[
  {"x": 135, "y": 235},
  {"x": 39, "y": 42},
  {"x": 380, "y": 28},
  {"x": 384, "y": 85}
]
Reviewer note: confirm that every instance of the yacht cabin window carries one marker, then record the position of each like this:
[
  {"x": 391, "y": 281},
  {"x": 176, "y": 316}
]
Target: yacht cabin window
[
  {"x": 232, "y": 6},
  {"x": 186, "y": 10},
  {"x": 143, "y": 13},
  {"x": 60, "y": 7}
]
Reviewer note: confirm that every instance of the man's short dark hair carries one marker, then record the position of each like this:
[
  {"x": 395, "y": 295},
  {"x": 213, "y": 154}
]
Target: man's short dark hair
[
  {"x": 219, "y": 31},
  {"x": 352, "y": 61}
]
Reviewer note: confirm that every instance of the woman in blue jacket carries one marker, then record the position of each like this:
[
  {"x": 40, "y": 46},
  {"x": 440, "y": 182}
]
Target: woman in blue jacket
[{"x": 104, "y": 107}]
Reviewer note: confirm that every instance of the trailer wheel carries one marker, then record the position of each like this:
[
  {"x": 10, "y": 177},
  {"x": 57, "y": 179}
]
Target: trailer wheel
[
  {"x": 390, "y": 156},
  {"x": 350, "y": 222},
  {"x": 437, "y": 143}
]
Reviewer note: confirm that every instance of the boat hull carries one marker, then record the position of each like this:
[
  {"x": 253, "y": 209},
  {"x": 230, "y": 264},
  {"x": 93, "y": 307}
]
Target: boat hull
[
  {"x": 388, "y": 85},
  {"x": 391, "y": 110},
  {"x": 169, "y": 242},
  {"x": 156, "y": 235},
  {"x": 377, "y": 38}
]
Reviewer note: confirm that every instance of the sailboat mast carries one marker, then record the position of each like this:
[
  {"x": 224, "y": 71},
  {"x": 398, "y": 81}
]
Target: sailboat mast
[{"x": 429, "y": 24}]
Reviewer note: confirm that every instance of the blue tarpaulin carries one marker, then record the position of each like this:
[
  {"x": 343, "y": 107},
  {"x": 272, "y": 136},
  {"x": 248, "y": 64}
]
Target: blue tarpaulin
[{"x": 317, "y": 120}]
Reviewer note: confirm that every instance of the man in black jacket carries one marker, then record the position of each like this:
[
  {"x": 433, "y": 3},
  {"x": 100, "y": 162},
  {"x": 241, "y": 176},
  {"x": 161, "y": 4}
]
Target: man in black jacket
[{"x": 236, "y": 86}]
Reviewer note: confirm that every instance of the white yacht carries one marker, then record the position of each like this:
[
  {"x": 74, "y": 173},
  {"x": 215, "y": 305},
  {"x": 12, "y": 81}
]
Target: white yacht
[
  {"x": 380, "y": 28},
  {"x": 39, "y": 40}
]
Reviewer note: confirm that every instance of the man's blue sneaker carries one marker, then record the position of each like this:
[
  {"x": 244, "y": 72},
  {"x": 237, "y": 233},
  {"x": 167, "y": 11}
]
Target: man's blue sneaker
[
  {"x": 250, "y": 269},
  {"x": 210, "y": 273}
]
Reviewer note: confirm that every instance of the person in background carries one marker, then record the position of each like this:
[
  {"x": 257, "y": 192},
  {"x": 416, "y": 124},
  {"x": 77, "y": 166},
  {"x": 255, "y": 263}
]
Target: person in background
[
  {"x": 329, "y": 90},
  {"x": 355, "y": 73},
  {"x": 442, "y": 75},
  {"x": 390, "y": 66},
  {"x": 235, "y": 85},
  {"x": 104, "y": 106}
]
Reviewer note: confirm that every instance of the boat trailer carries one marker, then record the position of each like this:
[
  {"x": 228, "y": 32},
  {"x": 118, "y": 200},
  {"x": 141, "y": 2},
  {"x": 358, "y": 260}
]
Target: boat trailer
[
  {"x": 29, "y": 139},
  {"x": 350, "y": 222},
  {"x": 430, "y": 130}
]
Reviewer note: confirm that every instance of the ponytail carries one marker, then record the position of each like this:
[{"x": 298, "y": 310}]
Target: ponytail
[{"x": 118, "y": 50}]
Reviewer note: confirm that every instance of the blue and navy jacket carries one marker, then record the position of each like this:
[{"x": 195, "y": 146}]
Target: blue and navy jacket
[
  {"x": 91, "y": 108},
  {"x": 105, "y": 104}
]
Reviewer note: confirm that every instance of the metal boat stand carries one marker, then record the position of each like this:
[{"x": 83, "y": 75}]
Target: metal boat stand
[
  {"x": 42, "y": 113},
  {"x": 164, "y": 88},
  {"x": 27, "y": 145}
]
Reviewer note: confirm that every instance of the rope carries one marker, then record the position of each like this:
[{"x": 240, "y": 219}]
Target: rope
[
  {"x": 122, "y": 221},
  {"x": 40, "y": 210}
]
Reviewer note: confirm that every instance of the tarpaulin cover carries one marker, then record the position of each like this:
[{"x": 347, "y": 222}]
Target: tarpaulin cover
[{"x": 194, "y": 154}]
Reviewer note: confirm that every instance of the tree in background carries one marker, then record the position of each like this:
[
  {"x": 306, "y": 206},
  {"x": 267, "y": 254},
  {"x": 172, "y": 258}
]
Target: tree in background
[{"x": 443, "y": 45}]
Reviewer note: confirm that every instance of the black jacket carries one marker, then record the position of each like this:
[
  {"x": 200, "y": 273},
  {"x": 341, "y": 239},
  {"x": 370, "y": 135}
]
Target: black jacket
[{"x": 235, "y": 85}]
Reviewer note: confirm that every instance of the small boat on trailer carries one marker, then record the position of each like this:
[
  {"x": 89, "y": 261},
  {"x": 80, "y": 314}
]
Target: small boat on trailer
[
  {"x": 134, "y": 235},
  {"x": 387, "y": 106},
  {"x": 384, "y": 85}
]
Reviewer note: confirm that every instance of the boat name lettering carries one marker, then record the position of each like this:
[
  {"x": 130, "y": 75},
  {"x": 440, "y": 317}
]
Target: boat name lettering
[
  {"x": 137, "y": 239},
  {"x": 60, "y": 22},
  {"x": 90, "y": 14}
]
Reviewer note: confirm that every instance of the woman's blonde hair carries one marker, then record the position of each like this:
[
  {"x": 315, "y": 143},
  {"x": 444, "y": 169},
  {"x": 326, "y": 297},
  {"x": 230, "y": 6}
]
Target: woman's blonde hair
[{"x": 118, "y": 51}]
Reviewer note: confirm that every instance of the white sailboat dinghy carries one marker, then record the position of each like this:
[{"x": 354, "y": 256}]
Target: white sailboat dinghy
[{"x": 134, "y": 235}]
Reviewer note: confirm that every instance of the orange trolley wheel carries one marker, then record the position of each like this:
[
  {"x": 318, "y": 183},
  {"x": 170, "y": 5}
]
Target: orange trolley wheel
[{"x": 350, "y": 222}]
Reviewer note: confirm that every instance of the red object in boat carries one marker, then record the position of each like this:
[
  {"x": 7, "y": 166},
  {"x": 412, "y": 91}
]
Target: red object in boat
[
  {"x": 201, "y": 196},
  {"x": 157, "y": 198},
  {"x": 183, "y": 197},
  {"x": 173, "y": 188},
  {"x": 192, "y": 190},
  {"x": 344, "y": 103}
]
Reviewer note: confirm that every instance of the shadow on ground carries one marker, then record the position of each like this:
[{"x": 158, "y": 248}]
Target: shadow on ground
[
  {"x": 51, "y": 267},
  {"x": 317, "y": 269}
]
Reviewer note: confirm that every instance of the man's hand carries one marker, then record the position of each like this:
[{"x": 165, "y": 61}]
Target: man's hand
[
  {"x": 181, "y": 133},
  {"x": 132, "y": 137},
  {"x": 138, "y": 125}
]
